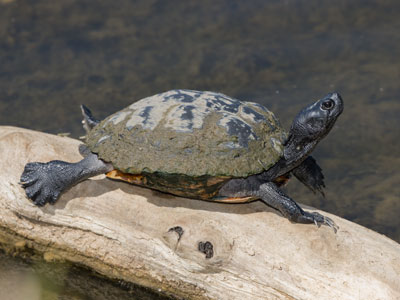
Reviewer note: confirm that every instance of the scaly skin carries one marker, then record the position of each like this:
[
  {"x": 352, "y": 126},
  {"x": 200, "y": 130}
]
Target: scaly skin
[
  {"x": 309, "y": 127},
  {"x": 45, "y": 182}
]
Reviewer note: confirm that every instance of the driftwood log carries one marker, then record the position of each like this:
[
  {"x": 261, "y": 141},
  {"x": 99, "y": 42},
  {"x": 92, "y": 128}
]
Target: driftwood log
[{"x": 187, "y": 248}]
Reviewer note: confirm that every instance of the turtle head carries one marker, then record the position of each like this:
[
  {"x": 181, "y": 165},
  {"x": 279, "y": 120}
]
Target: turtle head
[{"x": 311, "y": 125}]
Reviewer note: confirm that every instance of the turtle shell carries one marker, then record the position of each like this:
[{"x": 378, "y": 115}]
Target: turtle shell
[{"x": 190, "y": 134}]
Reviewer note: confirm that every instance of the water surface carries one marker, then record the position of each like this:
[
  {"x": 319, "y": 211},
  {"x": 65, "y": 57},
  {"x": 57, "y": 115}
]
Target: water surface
[{"x": 33, "y": 279}]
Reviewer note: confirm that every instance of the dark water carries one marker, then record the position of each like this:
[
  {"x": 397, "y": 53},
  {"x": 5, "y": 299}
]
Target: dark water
[
  {"x": 22, "y": 279},
  {"x": 55, "y": 55}
]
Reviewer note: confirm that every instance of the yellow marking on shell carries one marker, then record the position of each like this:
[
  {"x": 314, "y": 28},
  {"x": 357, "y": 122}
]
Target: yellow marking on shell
[
  {"x": 282, "y": 180},
  {"x": 235, "y": 199},
  {"x": 215, "y": 180},
  {"x": 131, "y": 178}
]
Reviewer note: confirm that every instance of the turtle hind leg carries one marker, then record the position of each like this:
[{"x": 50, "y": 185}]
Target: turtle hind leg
[
  {"x": 45, "y": 182},
  {"x": 38, "y": 182}
]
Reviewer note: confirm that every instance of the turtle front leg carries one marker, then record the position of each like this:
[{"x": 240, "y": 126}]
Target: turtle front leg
[
  {"x": 45, "y": 182},
  {"x": 273, "y": 196},
  {"x": 310, "y": 174}
]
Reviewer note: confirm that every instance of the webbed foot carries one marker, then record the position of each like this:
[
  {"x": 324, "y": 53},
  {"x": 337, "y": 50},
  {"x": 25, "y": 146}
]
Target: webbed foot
[
  {"x": 45, "y": 182},
  {"x": 41, "y": 181}
]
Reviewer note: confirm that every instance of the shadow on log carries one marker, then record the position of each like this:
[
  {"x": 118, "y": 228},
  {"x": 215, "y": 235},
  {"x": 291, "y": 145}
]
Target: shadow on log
[{"x": 188, "y": 248}]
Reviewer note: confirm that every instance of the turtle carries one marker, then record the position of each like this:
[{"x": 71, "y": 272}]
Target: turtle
[{"x": 201, "y": 145}]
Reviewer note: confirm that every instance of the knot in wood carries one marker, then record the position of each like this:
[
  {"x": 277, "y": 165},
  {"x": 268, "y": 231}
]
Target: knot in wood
[
  {"x": 207, "y": 248},
  {"x": 179, "y": 230}
]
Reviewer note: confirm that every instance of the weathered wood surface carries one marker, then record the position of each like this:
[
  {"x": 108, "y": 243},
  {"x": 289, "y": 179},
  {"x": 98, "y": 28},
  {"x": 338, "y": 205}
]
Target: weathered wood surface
[{"x": 123, "y": 231}]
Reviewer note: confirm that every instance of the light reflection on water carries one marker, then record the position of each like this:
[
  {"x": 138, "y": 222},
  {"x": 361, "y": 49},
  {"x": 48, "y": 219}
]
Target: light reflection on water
[{"x": 283, "y": 54}]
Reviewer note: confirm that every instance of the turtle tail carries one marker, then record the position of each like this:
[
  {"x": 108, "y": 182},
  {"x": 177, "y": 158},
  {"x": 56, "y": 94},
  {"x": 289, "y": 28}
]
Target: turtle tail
[{"x": 88, "y": 120}]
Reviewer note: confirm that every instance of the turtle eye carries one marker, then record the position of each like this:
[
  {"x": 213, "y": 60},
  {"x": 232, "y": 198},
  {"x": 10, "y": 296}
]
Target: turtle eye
[{"x": 328, "y": 104}]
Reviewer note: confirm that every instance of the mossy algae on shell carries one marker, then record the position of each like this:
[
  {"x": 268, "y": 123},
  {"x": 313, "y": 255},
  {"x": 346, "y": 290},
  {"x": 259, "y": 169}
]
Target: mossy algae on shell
[{"x": 192, "y": 133}]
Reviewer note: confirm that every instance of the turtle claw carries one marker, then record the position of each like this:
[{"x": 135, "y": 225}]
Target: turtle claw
[
  {"x": 329, "y": 222},
  {"x": 39, "y": 200},
  {"x": 319, "y": 220},
  {"x": 26, "y": 177},
  {"x": 32, "y": 190}
]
